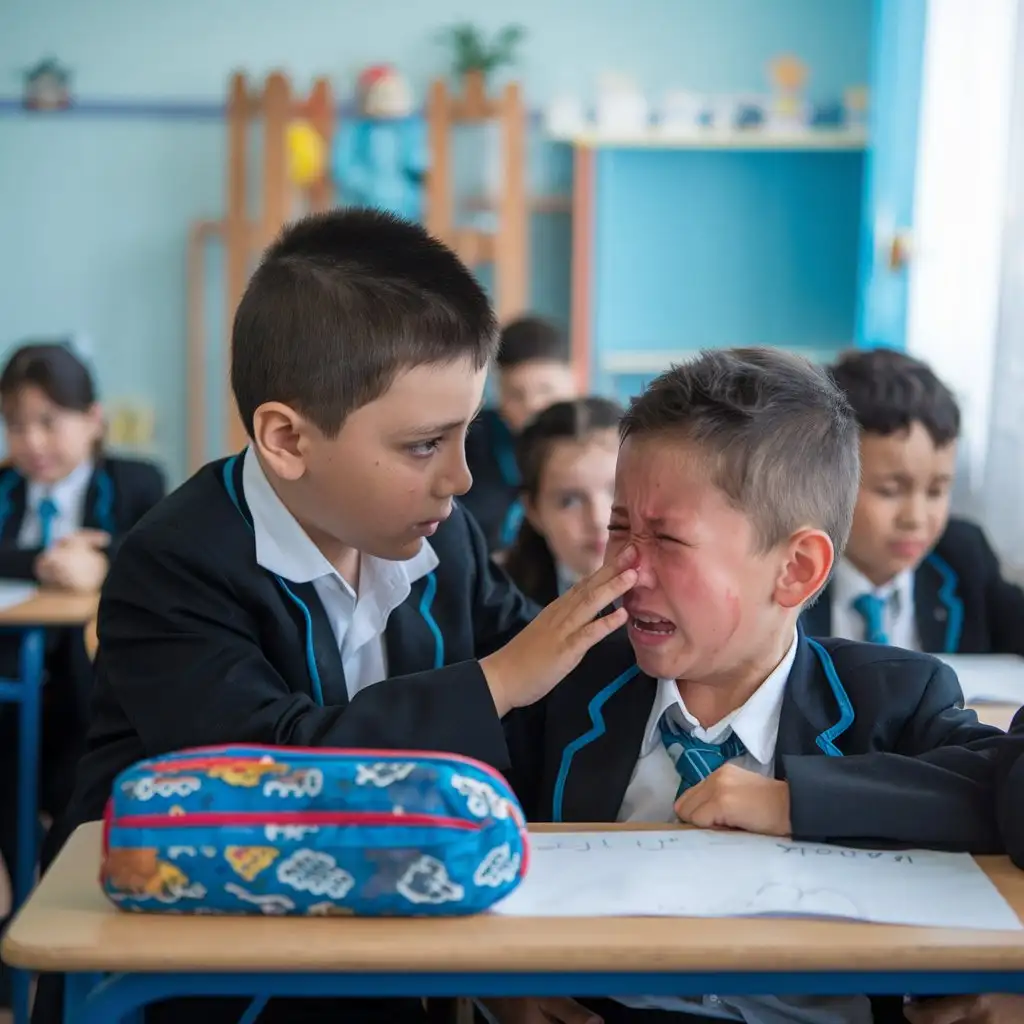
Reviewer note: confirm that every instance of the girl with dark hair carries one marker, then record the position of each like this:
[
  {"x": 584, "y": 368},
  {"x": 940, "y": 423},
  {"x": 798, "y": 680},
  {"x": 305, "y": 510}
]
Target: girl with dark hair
[
  {"x": 64, "y": 506},
  {"x": 566, "y": 458}
]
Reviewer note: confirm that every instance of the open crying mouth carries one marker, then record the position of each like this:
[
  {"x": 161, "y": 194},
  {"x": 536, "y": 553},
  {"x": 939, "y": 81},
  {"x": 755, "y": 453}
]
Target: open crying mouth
[{"x": 649, "y": 624}]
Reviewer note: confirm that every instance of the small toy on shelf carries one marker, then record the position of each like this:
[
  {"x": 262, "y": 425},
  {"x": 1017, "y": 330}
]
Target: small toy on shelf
[
  {"x": 306, "y": 154},
  {"x": 682, "y": 114},
  {"x": 381, "y": 159},
  {"x": 789, "y": 109},
  {"x": 622, "y": 107},
  {"x": 751, "y": 112},
  {"x": 47, "y": 86},
  {"x": 855, "y": 106}
]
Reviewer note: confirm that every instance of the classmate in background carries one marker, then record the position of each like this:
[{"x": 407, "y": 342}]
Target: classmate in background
[
  {"x": 323, "y": 588},
  {"x": 64, "y": 508},
  {"x": 566, "y": 456},
  {"x": 533, "y": 371},
  {"x": 911, "y": 576},
  {"x": 736, "y": 484}
]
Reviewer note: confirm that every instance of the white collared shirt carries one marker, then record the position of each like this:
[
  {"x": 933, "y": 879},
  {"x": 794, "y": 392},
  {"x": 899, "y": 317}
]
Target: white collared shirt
[
  {"x": 650, "y": 797},
  {"x": 68, "y": 495},
  {"x": 357, "y": 620},
  {"x": 651, "y": 793},
  {"x": 848, "y": 583}
]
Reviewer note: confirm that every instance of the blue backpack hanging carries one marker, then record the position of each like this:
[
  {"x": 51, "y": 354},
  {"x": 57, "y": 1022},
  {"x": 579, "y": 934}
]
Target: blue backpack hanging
[{"x": 285, "y": 830}]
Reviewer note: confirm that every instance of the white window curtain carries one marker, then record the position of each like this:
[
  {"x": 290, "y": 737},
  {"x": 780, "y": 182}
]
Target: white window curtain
[
  {"x": 1003, "y": 488},
  {"x": 953, "y": 317}
]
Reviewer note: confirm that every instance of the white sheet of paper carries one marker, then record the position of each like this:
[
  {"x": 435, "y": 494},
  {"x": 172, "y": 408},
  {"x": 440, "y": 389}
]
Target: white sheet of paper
[
  {"x": 692, "y": 873},
  {"x": 989, "y": 678},
  {"x": 14, "y": 592}
]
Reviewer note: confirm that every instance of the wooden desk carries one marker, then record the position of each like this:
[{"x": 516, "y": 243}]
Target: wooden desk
[
  {"x": 46, "y": 608},
  {"x": 68, "y": 926},
  {"x": 51, "y": 608},
  {"x": 999, "y": 715}
]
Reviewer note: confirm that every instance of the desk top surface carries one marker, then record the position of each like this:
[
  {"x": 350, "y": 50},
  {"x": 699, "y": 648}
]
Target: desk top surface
[
  {"x": 999, "y": 715},
  {"x": 51, "y": 608},
  {"x": 68, "y": 925}
]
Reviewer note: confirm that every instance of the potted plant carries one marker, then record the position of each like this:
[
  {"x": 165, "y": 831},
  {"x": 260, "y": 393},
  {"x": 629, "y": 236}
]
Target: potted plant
[{"x": 474, "y": 57}]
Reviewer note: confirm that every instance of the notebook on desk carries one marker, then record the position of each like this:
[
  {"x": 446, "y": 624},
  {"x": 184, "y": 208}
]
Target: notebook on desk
[
  {"x": 989, "y": 678},
  {"x": 15, "y": 592}
]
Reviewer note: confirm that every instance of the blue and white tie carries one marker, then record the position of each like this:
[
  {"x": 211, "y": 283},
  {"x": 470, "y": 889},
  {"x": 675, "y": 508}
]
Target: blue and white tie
[
  {"x": 47, "y": 511},
  {"x": 871, "y": 608},
  {"x": 696, "y": 759}
]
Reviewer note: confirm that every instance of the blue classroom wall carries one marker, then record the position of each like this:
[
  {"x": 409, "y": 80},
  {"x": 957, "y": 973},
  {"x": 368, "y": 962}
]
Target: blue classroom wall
[
  {"x": 707, "y": 249},
  {"x": 897, "y": 70},
  {"x": 94, "y": 210}
]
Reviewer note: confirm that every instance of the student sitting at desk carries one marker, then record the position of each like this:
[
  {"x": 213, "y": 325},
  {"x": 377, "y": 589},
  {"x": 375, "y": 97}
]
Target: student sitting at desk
[
  {"x": 567, "y": 458},
  {"x": 735, "y": 486},
  {"x": 911, "y": 576},
  {"x": 533, "y": 371},
  {"x": 64, "y": 507},
  {"x": 322, "y": 588}
]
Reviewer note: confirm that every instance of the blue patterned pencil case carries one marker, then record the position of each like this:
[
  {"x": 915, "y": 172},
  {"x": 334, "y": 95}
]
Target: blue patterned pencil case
[{"x": 285, "y": 830}]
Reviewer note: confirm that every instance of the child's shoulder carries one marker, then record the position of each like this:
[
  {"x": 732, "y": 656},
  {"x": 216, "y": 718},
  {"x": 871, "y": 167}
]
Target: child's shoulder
[
  {"x": 963, "y": 546},
  {"x": 605, "y": 669},
  {"x": 196, "y": 524},
  {"x": 132, "y": 468},
  {"x": 889, "y": 675}
]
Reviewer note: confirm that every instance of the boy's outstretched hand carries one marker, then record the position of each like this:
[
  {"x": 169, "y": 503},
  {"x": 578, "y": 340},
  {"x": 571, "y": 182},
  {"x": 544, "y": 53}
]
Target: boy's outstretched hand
[
  {"x": 549, "y": 648},
  {"x": 733, "y": 797}
]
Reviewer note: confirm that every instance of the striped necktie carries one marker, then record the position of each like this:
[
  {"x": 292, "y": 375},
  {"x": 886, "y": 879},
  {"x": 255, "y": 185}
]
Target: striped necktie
[{"x": 696, "y": 759}]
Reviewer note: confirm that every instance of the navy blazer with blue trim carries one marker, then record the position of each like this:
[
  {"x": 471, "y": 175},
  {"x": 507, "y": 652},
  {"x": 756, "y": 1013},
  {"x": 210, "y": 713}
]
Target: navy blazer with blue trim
[
  {"x": 119, "y": 494},
  {"x": 1010, "y": 791},
  {"x": 962, "y": 604},
  {"x": 874, "y": 743},
  {"x": 200, "y": 645},
  {"x": 491, "y": 457}
]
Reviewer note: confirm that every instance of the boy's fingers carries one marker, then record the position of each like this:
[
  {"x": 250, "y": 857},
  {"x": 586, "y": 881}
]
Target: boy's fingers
[
  {"x": 691, "y": 799},
  {"x": 596, "y": 630},
  {"x": 597, "y": 594},
  {"x": 94, "y": 538}
]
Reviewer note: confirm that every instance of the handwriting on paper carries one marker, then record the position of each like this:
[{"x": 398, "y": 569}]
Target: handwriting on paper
[{"x": 696, "y": 873}]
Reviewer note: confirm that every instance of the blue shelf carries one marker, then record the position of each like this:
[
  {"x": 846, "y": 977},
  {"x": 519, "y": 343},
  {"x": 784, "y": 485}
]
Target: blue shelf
[{"x": 711, "y": 248}]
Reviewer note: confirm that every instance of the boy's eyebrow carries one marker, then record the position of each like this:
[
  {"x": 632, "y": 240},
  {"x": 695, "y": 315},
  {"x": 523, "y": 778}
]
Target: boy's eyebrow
[{"x": 443, "y": 428}]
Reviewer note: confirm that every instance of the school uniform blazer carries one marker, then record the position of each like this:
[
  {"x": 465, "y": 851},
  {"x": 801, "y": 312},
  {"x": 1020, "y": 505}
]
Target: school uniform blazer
[
  {"x": 962, "y": 604},
  {"x": 200, "y": 645},
  {"x": 874, "y": 743},
  {"x": 120, "y": 493},
  {"x": 491, "y": 457},
  {"x": 1010, "y": 791}
]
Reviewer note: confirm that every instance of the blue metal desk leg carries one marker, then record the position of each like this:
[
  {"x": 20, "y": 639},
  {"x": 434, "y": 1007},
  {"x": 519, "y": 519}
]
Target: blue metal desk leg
[{"x": 30, "y": 705}]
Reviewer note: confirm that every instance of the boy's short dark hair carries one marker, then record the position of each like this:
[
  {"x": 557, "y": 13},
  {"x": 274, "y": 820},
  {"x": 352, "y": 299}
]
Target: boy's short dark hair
[
  {"x": 889, "y": 391},
  {"x": 780, "y": 438},
  {"x": 531, "y": 338},
  {"x": 344, "y": 301}
]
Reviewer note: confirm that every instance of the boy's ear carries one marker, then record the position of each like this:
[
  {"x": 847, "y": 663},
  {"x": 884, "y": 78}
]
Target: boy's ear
[
  {"x": 809, "y": 561},
  {"x": 281, "y": 437}
]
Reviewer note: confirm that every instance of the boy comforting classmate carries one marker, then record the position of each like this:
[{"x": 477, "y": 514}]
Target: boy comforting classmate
[
  {"x": 323, "y": 588},
  {"x": 912, "y": 576},
  {"x": 735, "y": 489}
]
